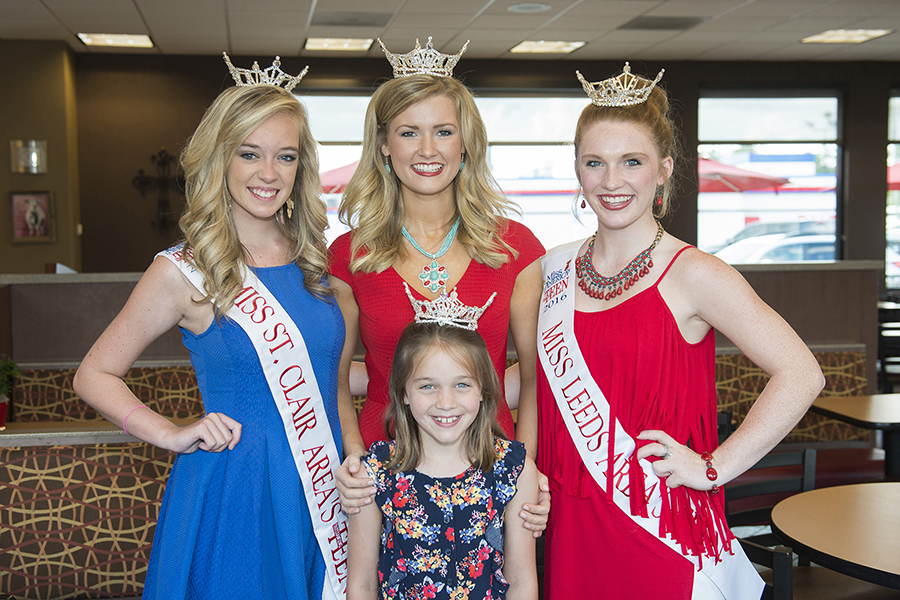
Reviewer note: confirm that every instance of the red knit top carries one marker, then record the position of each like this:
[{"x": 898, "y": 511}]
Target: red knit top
[{"x": 384, "y": 310}]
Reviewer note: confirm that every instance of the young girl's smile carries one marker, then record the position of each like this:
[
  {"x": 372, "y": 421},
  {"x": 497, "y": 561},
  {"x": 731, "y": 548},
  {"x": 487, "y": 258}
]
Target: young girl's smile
[{"x": 443, "y": 397}]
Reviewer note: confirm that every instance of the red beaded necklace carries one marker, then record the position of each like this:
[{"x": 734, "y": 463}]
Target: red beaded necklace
[{"x": 597, "y": 286}]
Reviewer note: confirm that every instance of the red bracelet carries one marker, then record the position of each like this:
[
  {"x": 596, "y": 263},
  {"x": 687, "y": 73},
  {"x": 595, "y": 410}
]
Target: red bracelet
[{"x": 711, "y": 472}]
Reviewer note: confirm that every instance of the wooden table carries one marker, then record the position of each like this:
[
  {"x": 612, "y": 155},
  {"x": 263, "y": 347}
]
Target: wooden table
[
  {"x": 880, "y": 412},
  {"x": 852, "y": 529}
]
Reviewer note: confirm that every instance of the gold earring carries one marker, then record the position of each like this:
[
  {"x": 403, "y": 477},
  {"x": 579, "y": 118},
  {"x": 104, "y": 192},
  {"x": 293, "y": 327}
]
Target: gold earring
[{"x": 290, "y": 206}]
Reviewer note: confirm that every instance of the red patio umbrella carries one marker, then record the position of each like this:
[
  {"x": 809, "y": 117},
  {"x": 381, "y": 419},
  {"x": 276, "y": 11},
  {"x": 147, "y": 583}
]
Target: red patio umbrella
[
  {"x": 894, "y": 177},
  {"x": 335, "y": 180},
  {"x": 719, "y": 177}
]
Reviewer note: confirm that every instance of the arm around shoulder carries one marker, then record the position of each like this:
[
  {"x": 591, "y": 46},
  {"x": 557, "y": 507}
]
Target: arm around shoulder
[
  {"x": 523, "y": 318},
  {"x": 354, "y": 486}
]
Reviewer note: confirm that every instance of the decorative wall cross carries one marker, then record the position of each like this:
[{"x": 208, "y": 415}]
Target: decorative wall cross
[{"x": 167, "y": 178}]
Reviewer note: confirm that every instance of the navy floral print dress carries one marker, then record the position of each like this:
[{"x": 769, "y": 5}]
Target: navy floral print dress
[{"x": 443, "y": 537}]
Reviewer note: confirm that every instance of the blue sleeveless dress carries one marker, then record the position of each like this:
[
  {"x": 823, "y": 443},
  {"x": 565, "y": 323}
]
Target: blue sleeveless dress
[{"x": 234, "y": 524}]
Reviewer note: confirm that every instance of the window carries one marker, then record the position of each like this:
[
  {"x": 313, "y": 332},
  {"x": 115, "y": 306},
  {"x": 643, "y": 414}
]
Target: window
[
  {"x": 768, "y": 165},
  {"x": 530, "y": 153},
  {"x": 892, "y": 253},
  {"x": 533, "y": 160}
]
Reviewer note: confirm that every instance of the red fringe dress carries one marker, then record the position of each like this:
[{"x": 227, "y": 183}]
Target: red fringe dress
[{"x": 653, "y": 379}]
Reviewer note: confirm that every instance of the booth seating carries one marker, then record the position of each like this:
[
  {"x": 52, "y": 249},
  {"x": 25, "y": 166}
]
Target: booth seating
[
  {"x": 77, "y": 521},
  {"x": 845, "y": 454}
]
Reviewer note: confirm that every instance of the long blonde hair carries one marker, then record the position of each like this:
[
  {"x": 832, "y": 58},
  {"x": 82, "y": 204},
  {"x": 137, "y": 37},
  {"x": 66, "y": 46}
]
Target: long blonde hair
[
  {"x": 372, "y": 203},
  {"x": 654, "y": 115},
  {"x": 469, "y": 349},
  {"x": 211, "y": 238}
]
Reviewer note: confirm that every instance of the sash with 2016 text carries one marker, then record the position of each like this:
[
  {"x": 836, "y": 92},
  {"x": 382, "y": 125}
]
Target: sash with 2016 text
[
  {"x": 586, "y": 414},
  {"x": 285, "y": 362}
]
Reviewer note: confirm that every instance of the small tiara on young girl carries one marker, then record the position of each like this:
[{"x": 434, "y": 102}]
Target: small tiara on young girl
[
  {"x": 427, "y": 60},
  {"x": 447, "y": 310},
  {"x": 624, "y": 89},
  {"x": 269, "y": 76}
]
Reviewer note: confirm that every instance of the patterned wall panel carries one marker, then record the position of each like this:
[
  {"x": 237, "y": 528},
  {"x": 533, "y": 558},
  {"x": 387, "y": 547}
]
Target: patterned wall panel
[
  {"x": 78, "y": 521},
  {"x": 739, "y": 383},
  {"x": 47, "y": 394}
]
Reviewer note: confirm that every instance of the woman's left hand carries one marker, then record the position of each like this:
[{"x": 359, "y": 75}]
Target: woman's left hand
[
  {"x": 678, "y": 464},
  {"x": 536, "y": 516}
]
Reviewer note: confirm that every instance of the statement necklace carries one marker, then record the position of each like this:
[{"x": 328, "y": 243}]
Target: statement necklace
[
  {"x": 597, "y": 286},
  {"x": 434, "y": 276}
]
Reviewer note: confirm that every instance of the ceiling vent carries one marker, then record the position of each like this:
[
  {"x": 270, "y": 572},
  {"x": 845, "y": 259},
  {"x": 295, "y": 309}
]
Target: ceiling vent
[
  {"x": 351, "y": 19},
  {"x": 663, "y": 23}
]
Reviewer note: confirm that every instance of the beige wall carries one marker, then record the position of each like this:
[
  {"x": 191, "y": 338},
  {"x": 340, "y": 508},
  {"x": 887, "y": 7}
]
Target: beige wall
[
  {"x": 128, "y": 111},
  {"x": 38, "y": 102}
]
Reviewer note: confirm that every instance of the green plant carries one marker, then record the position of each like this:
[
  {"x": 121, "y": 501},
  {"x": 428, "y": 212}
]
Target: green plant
[{"x": 9, "y": 370}]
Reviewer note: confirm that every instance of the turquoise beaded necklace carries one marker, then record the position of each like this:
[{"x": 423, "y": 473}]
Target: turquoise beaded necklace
[{"x": 434, "y": 276}]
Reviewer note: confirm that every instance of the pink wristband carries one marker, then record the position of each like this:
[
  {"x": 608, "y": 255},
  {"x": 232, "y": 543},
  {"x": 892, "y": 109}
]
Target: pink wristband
[{"x": 125, "y": 420}]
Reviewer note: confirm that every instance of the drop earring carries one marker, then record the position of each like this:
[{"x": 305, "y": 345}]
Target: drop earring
[
  {"x": 387, "y": 163},
  {"x": 289, "y": 206},
  {"x": 583, "y": 202},
  {"x": 659, "y": 195},
  {"x": 462, "y": 161}
]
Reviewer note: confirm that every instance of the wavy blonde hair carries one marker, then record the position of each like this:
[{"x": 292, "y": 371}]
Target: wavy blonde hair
[
  {"x": 652, "y": 114},
  {"x": 372, "y": 203},
  {"x": 469, "y": 349},
  {"x": 207, "y": 224}
]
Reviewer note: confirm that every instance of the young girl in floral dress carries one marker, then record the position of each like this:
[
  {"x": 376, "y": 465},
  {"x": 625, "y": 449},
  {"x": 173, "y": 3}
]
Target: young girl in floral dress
[{"x": 445, "y": 483}]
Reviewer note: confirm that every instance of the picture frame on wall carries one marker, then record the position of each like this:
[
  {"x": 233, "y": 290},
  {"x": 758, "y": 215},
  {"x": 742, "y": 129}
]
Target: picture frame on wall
[{"x": 32, "y": 217}]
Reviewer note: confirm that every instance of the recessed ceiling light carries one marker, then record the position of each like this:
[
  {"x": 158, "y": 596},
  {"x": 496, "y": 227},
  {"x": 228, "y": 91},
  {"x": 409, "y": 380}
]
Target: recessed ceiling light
[
  {"x": 116, "y": 40},
  {"x": 527, "y": 8},
  {"x": 544, "y": 47},
  {"x": 846, "y": 36},
  {"x": 338, "y": 44}
]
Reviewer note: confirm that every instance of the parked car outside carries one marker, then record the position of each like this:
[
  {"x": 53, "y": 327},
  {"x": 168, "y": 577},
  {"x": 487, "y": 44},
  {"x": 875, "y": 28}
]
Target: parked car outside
[
  {"x": 779, "y": 248},
  {"x": 892, "y": 267},
  {"x": 760, "y": 228}
]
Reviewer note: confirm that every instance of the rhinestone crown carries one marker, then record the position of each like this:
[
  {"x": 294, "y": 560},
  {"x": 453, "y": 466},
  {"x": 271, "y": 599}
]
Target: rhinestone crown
[
  {"x": 425, "y": 60},
  {"x": 623, "y": 90},
  {"x": 447, "y": 310},
  {"x": 269, "y": 76}
]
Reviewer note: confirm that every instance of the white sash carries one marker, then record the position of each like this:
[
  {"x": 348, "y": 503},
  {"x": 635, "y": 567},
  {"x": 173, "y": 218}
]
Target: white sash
[
  {"x": 285, "y": 362},
  {"x": 585, "y": 412}
]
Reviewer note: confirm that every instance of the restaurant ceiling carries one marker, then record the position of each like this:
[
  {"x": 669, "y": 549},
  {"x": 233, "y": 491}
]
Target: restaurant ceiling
[{"x": 765, "y": 30}]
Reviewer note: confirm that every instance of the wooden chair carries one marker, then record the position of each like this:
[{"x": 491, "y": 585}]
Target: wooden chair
[
  {"x": 888, "y": 346},
  {"x": 780, "y": 562},
  {"x": 888, "y": 356},
  {"x": 768, "y": 491},
  {"x": 724, "y": 425}
]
